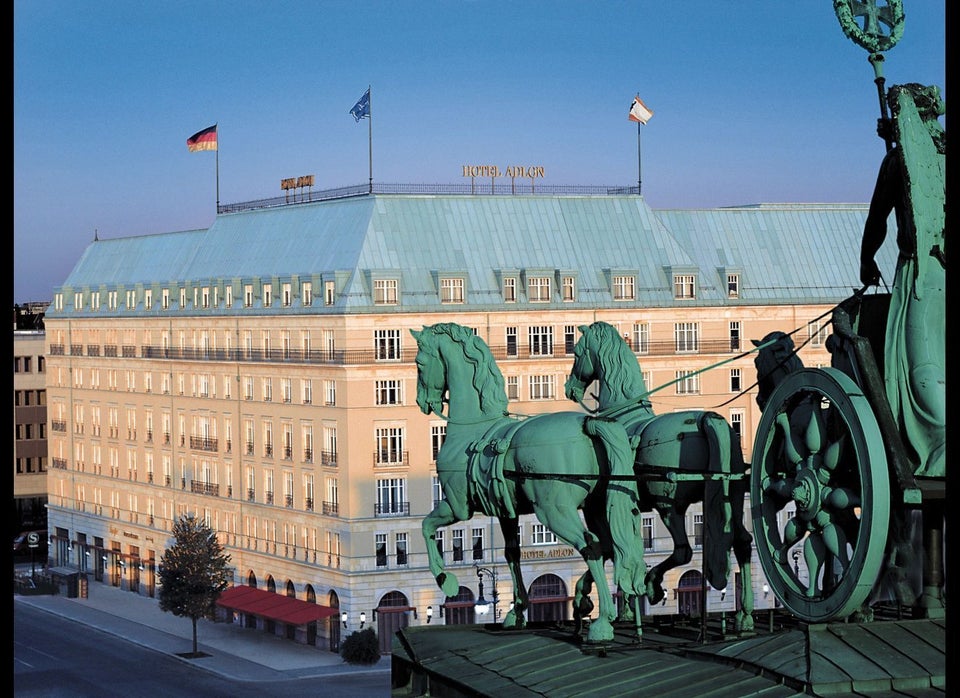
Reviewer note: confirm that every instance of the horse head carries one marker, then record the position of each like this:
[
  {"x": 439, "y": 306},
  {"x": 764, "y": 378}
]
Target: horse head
[
  {"x": 450, "y": 356},
  {"x": 431, "y": 373},
  {"x": 583, "y": 372},
  {"x": 602, "y": 355},
  {"x": 776, "y": 360}
]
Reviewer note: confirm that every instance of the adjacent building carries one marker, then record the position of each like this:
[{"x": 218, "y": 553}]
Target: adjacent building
[
  {"x": 260, "y": 373},
  {"x": 30, "y": 428}
]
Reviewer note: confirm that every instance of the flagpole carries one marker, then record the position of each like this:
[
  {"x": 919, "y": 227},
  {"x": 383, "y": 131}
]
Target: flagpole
[
  {"x": 638, "y": 159},
  {"x": 370, "y": 134},
  {"x": 218, "y": 169},
  {"x": 639, "y": 178}
]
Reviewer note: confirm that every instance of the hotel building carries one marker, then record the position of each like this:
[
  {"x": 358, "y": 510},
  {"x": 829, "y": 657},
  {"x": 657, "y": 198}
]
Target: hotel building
[{"x": 259, "y": 373}]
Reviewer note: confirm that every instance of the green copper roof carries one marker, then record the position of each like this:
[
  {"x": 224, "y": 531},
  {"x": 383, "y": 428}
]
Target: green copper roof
[{"x": 784, "y": 253}]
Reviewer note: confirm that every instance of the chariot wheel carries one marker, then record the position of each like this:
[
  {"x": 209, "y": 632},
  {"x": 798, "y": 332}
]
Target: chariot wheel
[{"x": 820, "y": 494}]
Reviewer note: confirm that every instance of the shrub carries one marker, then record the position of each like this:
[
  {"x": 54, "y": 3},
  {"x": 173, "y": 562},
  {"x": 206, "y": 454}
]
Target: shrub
[{"x": 361, "y": 647}]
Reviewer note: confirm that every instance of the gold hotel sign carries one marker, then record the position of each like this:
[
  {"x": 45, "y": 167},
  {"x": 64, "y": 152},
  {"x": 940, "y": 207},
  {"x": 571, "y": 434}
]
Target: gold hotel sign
[{"x": 514, "y": 171}]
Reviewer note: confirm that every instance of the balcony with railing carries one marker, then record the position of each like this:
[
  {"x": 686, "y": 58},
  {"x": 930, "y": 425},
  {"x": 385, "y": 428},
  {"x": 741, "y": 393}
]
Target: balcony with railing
[
  {"x": 391, "y": 509},
  {"x": 208, "y": 488},
  {"x": 328, "y": 458},
  {"x": 203, "y": 443},
  {"x": 388, "y": 457},
  {"x": 331, "y": 509},
  {"x": 58, "y": 425}
]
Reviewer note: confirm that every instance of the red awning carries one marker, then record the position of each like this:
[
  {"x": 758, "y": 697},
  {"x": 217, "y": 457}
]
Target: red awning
[{"x": 267, "y": 604}]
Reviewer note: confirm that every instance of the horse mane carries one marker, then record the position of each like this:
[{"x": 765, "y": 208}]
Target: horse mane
[
  {"x": 487, "y": 378},
  {"x": 616, "y": 358}
]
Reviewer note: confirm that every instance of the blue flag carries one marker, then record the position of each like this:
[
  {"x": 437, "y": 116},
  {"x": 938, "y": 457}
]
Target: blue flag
[{"x": 362, "y": 108}]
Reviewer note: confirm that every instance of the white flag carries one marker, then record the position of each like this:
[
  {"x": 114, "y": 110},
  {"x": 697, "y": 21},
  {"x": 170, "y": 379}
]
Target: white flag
[{"x": 639, "y": 111}]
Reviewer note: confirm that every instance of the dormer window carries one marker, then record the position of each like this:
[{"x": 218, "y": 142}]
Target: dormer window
[
  {"x": 569, "y": 289},
  {"x": 733, "y": 285},
  {"x": 684, "y": 286},
  {"x": 510, "y": 289},
  {"x": 385, "y": 291},
  {"x": 624, "y": 288},
  {"x": 538, "y": 289},
  {"x": 451, "y": 290}
]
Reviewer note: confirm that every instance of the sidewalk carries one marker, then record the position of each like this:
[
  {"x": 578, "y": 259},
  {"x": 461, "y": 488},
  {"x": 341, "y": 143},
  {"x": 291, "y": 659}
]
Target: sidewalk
[{"x": 240, "y": 653}]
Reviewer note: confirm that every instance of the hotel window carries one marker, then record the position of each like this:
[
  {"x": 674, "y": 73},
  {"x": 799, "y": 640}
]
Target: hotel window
[
  {"x": 183, "y": 298},
  {"x": 438, "y": 432},
  {"x": 437, "y": 490},
  {"x": 538, "y": 289},
  {"x": 95, "y": 300},
  {"x": 388, "y": 392},
  {"x": 78, "y": 301},
  {"x": 647, "y": 526},
  {"x": 248, "y": 296},
  {"x": 698, "y": 530},
  {"x": 438, "y": 538},
  {"x": 735, "y": 380},
  {"x": 511, "y": 341},
  {"x": 623, "y": 288},
  {"x": 306, "y": 292},
  {"x": 148, "y": 299},
  {"x": 510, "y": 290},
  {"x": 541, "y": 387},
  {"x": 686, "y": 337},
  {"x": 306, "y": 390},
  {"x": 389, "y": 446},
  {"x": 248, "y": 388},
  {"x": 228, "y": 296},
  {"x": 817, "y": 333},
  {"x": 569, "y": 289},
  {"x": 401, "y": 544},
  {"x": 541, "y": 535},
  {"x": 541, "y": 341},
  {"x": 733, "y": 285},
  {"x": 267, "y": 389},
  {"x": 735, "y": 336},
  {"x": 286, "y": 295},
  {"x": 477, "y": 534},
  {"x": 380, "y": 541},
  {"x": 387, "y": 344},
  {"x": 451, "y": 290},
  {"x": 513, "y": 388},
  {"x": 330, "y": 393},
  {"x": 112, "y": 300},
  {"x": 267, "y": 295},
  {"x": 569, "y": 339},
  {"x": 641, "y": 337},
  {"x": 286, "y": 386},
  {"x": 684, "y": 286},
  {"x": 687, "y": 383},
  {"x": 306, "y": 436},
  {"x": 131, "y": 300},
  {"x": 329, "y": 292},
  {"x": 392, "y": 496},
  {"x": 458, "y": 545},
  {"x": 736, "y": 423},
  {"x": 205, "y": 297},
  {"x": 385, "y": 292}
]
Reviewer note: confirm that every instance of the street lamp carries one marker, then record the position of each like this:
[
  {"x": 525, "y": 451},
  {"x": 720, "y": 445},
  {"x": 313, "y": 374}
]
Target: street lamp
[{"x": 482, "y": 605}]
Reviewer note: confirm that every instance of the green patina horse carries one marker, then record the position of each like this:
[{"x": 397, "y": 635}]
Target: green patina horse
[
  {"x": 552, "y": 465},
  {"x": 680, "y": 458}
]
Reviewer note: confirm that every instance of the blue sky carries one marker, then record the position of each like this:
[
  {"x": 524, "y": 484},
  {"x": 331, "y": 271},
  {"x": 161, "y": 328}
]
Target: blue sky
[{"x": 753, "y": 100}]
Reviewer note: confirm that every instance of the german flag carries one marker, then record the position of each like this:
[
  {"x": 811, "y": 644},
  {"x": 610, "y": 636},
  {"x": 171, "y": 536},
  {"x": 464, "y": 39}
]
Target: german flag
[{"x": 203, "y": 140}]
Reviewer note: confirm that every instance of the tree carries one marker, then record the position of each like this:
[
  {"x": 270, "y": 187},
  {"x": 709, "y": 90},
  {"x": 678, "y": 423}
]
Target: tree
[{"x": 193, "y": 571}]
